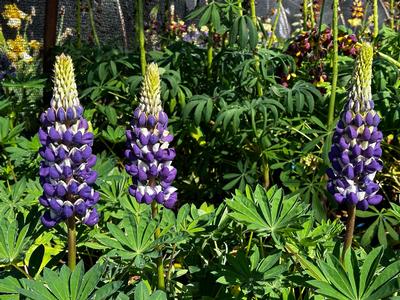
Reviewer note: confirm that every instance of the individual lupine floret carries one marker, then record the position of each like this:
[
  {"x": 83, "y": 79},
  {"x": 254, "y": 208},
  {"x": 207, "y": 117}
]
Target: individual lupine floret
[
  {"x": 148, "y": 150},
  {"x": 66, "y": 169},
  {"x": 356, "y": 150}
]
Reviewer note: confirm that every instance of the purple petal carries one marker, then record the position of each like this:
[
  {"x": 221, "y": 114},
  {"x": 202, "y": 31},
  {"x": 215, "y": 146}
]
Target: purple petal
[
  {"x": 362, "y": 205},
  {"x": 93, "y": 218},
  {"x": 47, "y": 221},
  {"x": 352, "y": 198},
  {"x": 374, "y": 200}
]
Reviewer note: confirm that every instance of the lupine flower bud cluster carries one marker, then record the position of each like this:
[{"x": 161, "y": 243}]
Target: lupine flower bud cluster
[
  {"x": 66, "y": 173},
  {"x": 356, "y": 150},
  {"x": 148, "y": 150}
]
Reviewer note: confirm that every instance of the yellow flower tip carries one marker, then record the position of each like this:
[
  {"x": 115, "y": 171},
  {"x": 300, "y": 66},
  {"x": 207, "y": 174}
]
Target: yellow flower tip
[
  {"x": 65, "y": 92},
  {"x": 364, "y": 64},
  {"x": 150, "y": 96}
]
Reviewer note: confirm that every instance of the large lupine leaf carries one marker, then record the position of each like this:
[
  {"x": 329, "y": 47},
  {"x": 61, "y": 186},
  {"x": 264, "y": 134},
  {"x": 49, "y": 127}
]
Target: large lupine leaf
[
  {"x": 269, "y": 213},
  {"x": 66, "y": 285},
  {"x": 349, "y": 282}
]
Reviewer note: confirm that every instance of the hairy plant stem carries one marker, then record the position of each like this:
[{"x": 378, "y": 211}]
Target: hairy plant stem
[
  {"x": 275, "y": 24},
  {"x": 348, "y": 238},
  {"x": 71, "y": 242},
  {"x": 159, "y": 262},
  {"x": 253, "y": 12},
  {"x": 305, "y": 14},
  {"x": 92, "y": 24},
  {"x": 78, "y": 24},
  {"x": 312, "y": 15},
  {"x": 331, "y": 110},
  {"x": 391, "y": 8},
  {"x": 140, "y": 33},
  {"x": 376, "y": 20},
  {"x": 257, "y": 59}
]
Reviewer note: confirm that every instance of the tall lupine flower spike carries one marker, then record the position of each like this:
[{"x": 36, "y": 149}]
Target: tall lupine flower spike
[
  {"x": 148, "y": 150},
  {"x": 356, "y": 150},
  {"x": 65, "y": 171}
]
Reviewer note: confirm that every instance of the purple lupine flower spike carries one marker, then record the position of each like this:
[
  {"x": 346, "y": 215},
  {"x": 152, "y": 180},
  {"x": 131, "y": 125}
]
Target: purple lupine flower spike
[
  {"x": 148, "y": 149},
  {"x": 356, "y": 144},
  {"x": 65, "y": 171}
]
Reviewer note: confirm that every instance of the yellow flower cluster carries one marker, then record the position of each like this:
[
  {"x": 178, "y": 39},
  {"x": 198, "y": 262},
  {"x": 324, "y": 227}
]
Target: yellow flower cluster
[
  {"x": 357, "y": 13},
  {"x": 14, "y": 16},
  {"x": 19, "y": 49}
]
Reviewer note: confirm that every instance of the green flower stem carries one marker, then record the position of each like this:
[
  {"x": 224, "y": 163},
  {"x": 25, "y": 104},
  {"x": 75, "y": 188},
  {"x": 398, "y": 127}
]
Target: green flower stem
[
  {"x": 391, "y": 7},
  {"x": 257, "y": 59},
  {"x": 253, "y": 12},
  {"x": 140, "y": 33},
  {"x": 305, "y": 14},
  {"x": 160, "y": 266},
  {"x": 210, "y": 54},
  {"x": 312, "y": 15},
  {"x": 275, "y": 24},
  {"x": 331, "y": 110},
  {"x": 389, "y": 59},
  {"x": 71, "y": 242},
  {"x": 266, "y": 173},
  {"x": 92, "y": 24},
  {"x": 78, "y": 24},
  {"x": 376, "y": 20},
  {"x": 249, "y": 243},
  {"x": 240, "y": 8},
  {"x": 348, "y": 238}
]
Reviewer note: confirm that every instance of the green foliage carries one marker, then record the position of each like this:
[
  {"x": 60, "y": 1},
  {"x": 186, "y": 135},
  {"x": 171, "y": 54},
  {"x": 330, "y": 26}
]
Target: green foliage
[
  {"x": 67, "y": 285},
  {"x": 350, "y": 281},
  {"x": 269, "y": 213},
  {"x": 381, "y": 228},
  {"x": 254, "y": 275}
]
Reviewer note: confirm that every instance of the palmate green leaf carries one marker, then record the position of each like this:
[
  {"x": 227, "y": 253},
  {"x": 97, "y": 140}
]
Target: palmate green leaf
[
  {"x": 10, "y": 285},
  {"x": 250, "y": 272},
  {"x": 137, "y": 238},
  {"x": 66, "y": 285},
  {"x": 13, "y": 241},
  {"x": 382, "y": 227},
  {"x": 268, "y": 212},
  {"x": 385, "y": 283},
  {"x": 324, "y": 288},
  {"x": 335, "y": 274},
  {"x": 348, "y": 282},
  {"x": 203, "y": 108},
  {"x": 114, "y": 136}
]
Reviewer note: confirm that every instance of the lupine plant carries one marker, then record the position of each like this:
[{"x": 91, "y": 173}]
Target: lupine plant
[
  {"x": 66, "y": 173},
  {"x": 149, "y": 154},
  {"x": 356, "y": 151}
]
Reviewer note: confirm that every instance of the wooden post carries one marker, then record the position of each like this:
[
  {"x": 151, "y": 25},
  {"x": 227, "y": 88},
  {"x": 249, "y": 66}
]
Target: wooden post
[{"x": 50, "y": 36}]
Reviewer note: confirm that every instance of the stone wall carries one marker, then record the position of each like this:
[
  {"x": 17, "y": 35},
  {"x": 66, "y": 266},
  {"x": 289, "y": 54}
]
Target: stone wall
[{"x": 114, "y": 17}]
